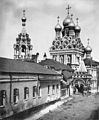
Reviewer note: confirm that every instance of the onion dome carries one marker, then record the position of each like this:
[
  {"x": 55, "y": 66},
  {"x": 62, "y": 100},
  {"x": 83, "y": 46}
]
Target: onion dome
[
  {"x": 88, "y": 49},
  {"x": 77, "y": 27},
  {"x": 71, "y": 24},
  {"x": 67, "y": 20},
  {"x": 58, "y": 26}
]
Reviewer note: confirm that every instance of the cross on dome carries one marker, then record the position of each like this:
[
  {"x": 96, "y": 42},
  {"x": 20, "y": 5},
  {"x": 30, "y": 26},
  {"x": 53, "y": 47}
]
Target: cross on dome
[
  {"x": 68, "y": 8},
  {"x": 58, "y": 19},
  {"x": 71, "y": 16},
  {"x": 77, "y": 19},
  {"x": 88, "y": 40},
  {"x": 23, "y": 13}
]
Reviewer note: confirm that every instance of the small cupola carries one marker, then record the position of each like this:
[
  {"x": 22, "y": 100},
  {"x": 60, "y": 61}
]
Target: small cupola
[
  {"x": 71, "y": 24},
  {"x": 58, "y": 26},
  {"x": 77, "y": 27}
]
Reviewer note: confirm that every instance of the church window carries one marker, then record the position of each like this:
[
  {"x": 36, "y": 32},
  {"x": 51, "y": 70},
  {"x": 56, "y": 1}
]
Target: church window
[
  {"x": 23, "y": 48},
  {"x": 48, "y": 89},
  {"x": 39, "y": 93},
  {"x": 55, "y": 57},
  {"x": 78, "y": 59},
  {"x": 61, "y": 58},
  {"x": 26, "y": 93},
  {"x": 16, "y": 95},
  {"x": 53, "y": 89},
  {"x": 34, "y": 91},
  {"x": 69, "y": 58},
  {"x": 2, "y": 98},
  {"x": 57, "y": 87}
]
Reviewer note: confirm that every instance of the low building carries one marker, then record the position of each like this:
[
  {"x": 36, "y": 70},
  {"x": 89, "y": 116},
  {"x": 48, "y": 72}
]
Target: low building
[
  {"x": 65, "y": 71},
  {"x": 24, "y": 85},
  {"x": 92, "y": 68}
]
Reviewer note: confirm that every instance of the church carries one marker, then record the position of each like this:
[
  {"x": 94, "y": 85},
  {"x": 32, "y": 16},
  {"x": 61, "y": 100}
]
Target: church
[
  {"x": 25, "y": 84},
  {"x": 67, "y": 48}
]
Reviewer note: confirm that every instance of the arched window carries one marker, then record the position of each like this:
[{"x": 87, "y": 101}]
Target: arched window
[
  {"x": 54, "y": 57},
  {"x": 61, "y": 58},
  {"x": 3, "y": 97},
  {"x": 34, "y": 91},
  {"x": 15, "y": 95},
  {"x": 26, "y": 93},
  {"x": 23, "y": 48}
]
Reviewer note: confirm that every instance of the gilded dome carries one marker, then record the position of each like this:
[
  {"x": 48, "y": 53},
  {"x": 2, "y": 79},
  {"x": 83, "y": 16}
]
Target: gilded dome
[
  {"x": 77, "y": 28},
  {"x": 58, "y": 27},
  {"x": 66, "y": 21},
  {"x": 88, "y": 49},
  {"x": 71, "y": 24}
]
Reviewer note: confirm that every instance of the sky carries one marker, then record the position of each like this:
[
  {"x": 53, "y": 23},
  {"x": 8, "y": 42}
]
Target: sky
[{"x": 41, "y": 19}]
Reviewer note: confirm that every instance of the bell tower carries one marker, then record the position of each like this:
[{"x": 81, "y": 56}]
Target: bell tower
[{"x": 23, "y": 47}]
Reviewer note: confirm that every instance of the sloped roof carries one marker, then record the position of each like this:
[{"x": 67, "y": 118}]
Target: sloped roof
[
  {"x": 17, "y": 66},
  {"x": 66, "y": 75},
  {"x": 56, "y": 65},
  {"x": 90, "y": 62},
  {"x": 82, "y": 67}
]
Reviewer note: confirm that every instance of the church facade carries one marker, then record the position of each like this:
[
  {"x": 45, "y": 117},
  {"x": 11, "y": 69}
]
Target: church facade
[{"x": 67, "y": 48}]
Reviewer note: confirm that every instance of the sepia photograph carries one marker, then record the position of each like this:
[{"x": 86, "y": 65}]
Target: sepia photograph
[{"x": 49, "y": 60}]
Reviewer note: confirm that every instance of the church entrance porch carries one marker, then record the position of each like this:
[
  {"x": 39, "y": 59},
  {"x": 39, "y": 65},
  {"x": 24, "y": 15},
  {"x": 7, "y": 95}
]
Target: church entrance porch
[{"x": 81, "y": 86}]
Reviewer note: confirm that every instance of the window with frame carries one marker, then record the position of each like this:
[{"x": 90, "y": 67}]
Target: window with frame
[
  {"x": 48, "y": 89},
  {"x": 2, "y": 97},
  {"x": 53, "y": 89},
  {"x": 57, "y": 87},
  {"x": 69, "y": 57},
  {"x": 34, "y": 91},
  {"x": 61, "y": 58},
  {"x": 39, "y": 93},
  {"x": 55, "y": 57},
  {"x": 16, "y": 95},
  {"x": 26, "y": 93}
]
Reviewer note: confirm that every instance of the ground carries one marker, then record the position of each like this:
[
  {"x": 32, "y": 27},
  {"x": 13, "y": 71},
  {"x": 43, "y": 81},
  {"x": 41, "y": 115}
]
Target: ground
[{"x": 79, "y": 108}]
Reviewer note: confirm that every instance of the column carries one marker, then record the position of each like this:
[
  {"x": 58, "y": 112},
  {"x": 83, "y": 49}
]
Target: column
[
  {"x": 58, "y": 58},
  {"x": 65, "y": 59}
]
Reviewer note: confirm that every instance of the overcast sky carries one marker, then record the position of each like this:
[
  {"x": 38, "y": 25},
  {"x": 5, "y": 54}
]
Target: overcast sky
[{"x": 41, "y": 20}]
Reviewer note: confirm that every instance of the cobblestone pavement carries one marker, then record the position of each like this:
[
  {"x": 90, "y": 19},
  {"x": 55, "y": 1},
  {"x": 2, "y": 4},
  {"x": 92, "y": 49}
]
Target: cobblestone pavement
[{"x": 79, "y": 108}]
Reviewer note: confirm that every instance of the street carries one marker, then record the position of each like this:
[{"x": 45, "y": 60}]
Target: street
[{"x": 79, "y": 108}]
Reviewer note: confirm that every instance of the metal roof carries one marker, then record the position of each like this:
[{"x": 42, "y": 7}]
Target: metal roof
[
  {"x": 18, "y": 66},
  {"x": 56, "y": 65}
]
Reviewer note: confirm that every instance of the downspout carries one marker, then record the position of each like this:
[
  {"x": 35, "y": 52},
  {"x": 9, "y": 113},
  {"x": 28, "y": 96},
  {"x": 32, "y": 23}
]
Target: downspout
[
  {"x": 10, "y": 88},
  {"x": 10, "y": 92},
  {"x": 97, "y": 79}
]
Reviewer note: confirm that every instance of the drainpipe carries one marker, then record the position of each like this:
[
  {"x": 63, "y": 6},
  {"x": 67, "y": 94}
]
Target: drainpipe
[
  {"x": 10, "y": 88},
  {"x": 11, "y": 92}
]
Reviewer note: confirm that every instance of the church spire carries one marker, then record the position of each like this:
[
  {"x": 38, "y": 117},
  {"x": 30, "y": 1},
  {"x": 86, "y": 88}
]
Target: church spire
[
  {"x": 23, "y": 47},
  {"x": 23, "y": 22}
]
